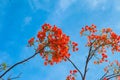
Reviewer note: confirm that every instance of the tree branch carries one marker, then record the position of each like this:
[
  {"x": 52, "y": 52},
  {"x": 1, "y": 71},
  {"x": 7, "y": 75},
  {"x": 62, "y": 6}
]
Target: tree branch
[
  {"x": 113, "y": 76},
  {"x": 87, "y": 61},
  {"x": 18, "y": 76},
  {"x": 75, "y": 67},
  {"x": 18, "y": 64},
  {"x": 103, "y": 75}
]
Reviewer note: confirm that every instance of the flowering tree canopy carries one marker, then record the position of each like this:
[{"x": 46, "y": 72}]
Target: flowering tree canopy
[
  {"x": 54, "y": 46},
  {"x": 54, "y": 43}
]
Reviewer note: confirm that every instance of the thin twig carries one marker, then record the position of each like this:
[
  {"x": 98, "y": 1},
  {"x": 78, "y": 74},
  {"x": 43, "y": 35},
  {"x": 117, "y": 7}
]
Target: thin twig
[
  {"x": 103, "y": 75},
  {"x": 18, "y": 76},
  {"x": 75, "y": 67},
  {"x": 113, "y": 76}
]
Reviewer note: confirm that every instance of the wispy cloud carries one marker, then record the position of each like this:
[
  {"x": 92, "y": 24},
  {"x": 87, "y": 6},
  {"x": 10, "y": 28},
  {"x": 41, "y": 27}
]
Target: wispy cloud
[
  {"x": 117, "y": 5},
  {"x": 45, "y": 5},
  {"x": 103, "y": 4},
  {"x": 64, "y": 4},
  {"x": 34, "y": 4},
  {"x": 37, "y": 4},
  {"x": 94, "y": 4},
  {"x": 57, "y": 11},
  {"x": 27, "y": 20},
  {"x": 58, "y": 14}
]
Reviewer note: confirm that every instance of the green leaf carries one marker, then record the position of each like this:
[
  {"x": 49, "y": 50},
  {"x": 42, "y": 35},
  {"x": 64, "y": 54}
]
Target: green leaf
[{"x": 4, "y": 66}]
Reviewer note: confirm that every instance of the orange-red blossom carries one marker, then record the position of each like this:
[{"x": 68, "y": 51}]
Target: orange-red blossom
[
  {"x": 72, "y": 74},
  {"x": 56, "y": 43},
  {"x": 31, "y": 41},
  {"x": 106, "y": 38}
]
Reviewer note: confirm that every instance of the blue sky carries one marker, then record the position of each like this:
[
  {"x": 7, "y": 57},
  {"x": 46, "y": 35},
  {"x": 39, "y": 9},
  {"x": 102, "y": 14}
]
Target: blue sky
[{"x": 21, "y": 19}]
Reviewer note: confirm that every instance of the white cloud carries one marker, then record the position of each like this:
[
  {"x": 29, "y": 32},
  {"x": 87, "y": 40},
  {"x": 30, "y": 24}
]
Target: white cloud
[
  {"x": 64, "y": 4},
  {"x": 36, "y": 5},
  {"x": 27, "y": 20},
  {"x": 45, "y": 5},
  {"x": 103, "y": 4},
  {"x": 118, "y": 8},
  {"x": 58, "y": 14},
  {"x": 93, "y": 4},
  {"x": 58, "y": 9},
  {"x": 117, "y": 5}
]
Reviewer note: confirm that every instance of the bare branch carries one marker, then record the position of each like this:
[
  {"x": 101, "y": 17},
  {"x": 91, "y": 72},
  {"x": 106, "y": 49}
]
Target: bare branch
[
  {"x": 86, "y": 64},
  {"x": 20, "y": 62},
  {"x": 103, "y": 75},
  {"x": 75, "y": 67},
  {"x": 18, "y": 76},
  {"x": 113, "y": 76}
]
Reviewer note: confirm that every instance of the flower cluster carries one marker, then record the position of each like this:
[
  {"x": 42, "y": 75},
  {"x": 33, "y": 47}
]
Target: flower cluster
[
  {"x": 74, "y": 46},
  {"x": 53, "y": 45},
  {"x": 113, "y": 68},
  {"x": 102, "y": 40},
  {"x": 72, "y": 75},
  {"x": 31, "y": 42}
]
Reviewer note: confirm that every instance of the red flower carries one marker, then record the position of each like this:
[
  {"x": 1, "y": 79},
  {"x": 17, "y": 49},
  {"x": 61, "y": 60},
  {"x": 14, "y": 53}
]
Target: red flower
[
  {"x": 46, "y": 27},
  {"x": 45, "y": 63},
  {"x": 74, "y": 71},
  {"x": 72, "y": 75},
  {"x": 113, "y": 35},
  {"x": 41, "y": 35},
  {"x": 105, "y": 78},
  {"x": 74, "y": 44},
  {"x": 31, "y": 41}
]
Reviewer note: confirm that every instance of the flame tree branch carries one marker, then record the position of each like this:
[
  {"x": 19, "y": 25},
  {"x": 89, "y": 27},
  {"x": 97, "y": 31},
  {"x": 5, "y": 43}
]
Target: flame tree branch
[
  {"x": 20, "y": 62},
  {"x": 75, "y": 67}
]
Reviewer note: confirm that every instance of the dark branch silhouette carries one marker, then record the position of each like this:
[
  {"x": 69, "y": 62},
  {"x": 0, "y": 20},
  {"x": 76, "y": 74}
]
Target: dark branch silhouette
[
  {"x": 75, "y": 67},
  {"x": 103, "y": 76},
  {"x": 18, "y": 64},
  {"x": 113, "y": 76},
  {"x": 86, "y": 64}
]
